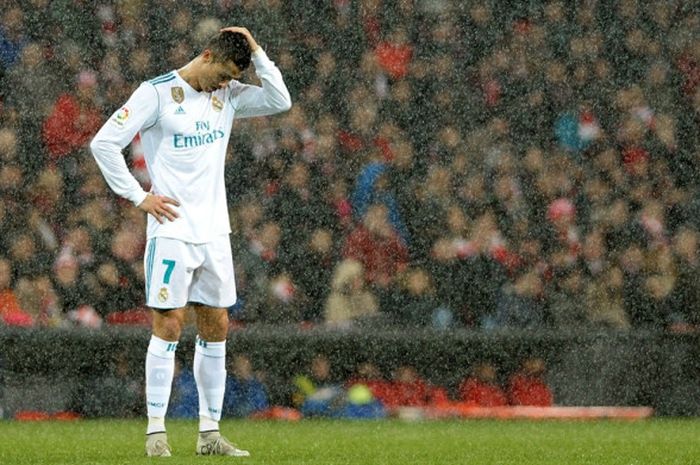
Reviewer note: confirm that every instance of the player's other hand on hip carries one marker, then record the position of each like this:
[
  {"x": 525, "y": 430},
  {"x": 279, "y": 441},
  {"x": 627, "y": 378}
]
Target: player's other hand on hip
[
  {"x": 246, "y": 33},
  {"x": 159, "y": 207}
]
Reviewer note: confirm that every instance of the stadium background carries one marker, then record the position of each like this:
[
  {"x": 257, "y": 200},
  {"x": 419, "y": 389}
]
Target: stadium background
[{"x": 535, "y": 169}]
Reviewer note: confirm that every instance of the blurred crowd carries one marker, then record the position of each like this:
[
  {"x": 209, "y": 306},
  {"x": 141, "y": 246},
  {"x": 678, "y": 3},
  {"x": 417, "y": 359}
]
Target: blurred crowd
[
  {"x": 322, "y": 390},
  {"x": 448, "y": 164}
]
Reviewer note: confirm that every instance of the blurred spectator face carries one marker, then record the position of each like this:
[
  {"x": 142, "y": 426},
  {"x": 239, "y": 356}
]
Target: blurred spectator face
[
  {"x": 439, "y": 182},
  {"x": 140, "y": 62},
  {"x": 10, "y": 178},
  {"x": 665, "y": 130},
  {"x": 597, "y": 190},
  {"x": 485, "y": 372},
  {"x": 685, "y": 244},
  {"x": 182, "y": 22},
  {"x": 23, "y": 248},
  {"x": 480, "y": 14},
  {"x": 659, "y": 287},
  {"x": 94, "y": 214},
  {"x": 572, "y": 283},
  {"x": 32, "y": 56},
  {"x": 325, "y": 66},
  {"x": 418, "y": 282},
  {"x": 78, "y": 239},
  {"x": 87, "y": 87},
  {"x": 321, "y": 241},
  {"x": 456, "y": 220},
  {"x": 368, "y": 370},
  {"x": 632, "y": 259},
  {"x": 554, "y": 12},
  {"x": 401, "y": 92},
  {"x": 555, "y": 73},
  {"x": 403, "y": 155},
  {"x": 594, "y": 246},
  {"x": 48, "y": 190},
  {"x": 636, "y": 41},
  {"x": 530, "y": 249},
  {"x": 180, "y": 53},
  {"x": 363, "y": 118},
  {"x": 270, "y": 235},
  {"x": 602, "y": 69},
  {"x": 534, "y": 367},
  {"x": 94, "y": 186},
  {"x": 657, "y": 74},
  {"x": 108, "y": 274},
  {"x": 205, "y": 28},
  {"x": 13, "y": 23},
  {"x": 298, "y": 177},
  {"x": 370, "y": 7},
  {"x": 8, "y": 145},
  {"x": 66, "y": 270},
  {"x": 241, "y": 367},
  {"x": 320, "y": 367},
  {"x": 529, "y": 284},
  {"x": 534, "y": 160},
  {"x": 614, "y": 278},
  {"x": 406, "y": 374},
  {"x": 126, "y": 245},
  {"x": 627, "y": 9},
  {"x": 377, "y": 221},
  {"x": 5, "y": 274},
  {"x": 249, "y": 215}
]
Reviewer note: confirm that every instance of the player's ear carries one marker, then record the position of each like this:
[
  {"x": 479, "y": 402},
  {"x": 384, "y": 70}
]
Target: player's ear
[{"x": 207, "y": 55}]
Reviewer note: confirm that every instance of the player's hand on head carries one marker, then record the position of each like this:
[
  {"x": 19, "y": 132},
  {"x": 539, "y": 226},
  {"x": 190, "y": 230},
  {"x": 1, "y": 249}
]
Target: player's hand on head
[
  {"x": 246, "y": 33},
  {"x": 160, "y": 207}
]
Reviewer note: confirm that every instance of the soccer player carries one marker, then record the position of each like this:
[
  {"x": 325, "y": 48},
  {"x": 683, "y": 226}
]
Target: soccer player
[{"x": 185, "y": 118}]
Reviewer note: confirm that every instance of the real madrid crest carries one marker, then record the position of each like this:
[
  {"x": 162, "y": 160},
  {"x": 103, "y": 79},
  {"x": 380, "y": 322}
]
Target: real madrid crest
[
  {"x": 178, "y": 94},
  {"x": 216, "y": 103},
  {"x": 163, "y": 294}
]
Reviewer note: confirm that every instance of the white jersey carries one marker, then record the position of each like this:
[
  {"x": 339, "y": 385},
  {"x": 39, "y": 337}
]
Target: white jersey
[{"x": 184, "y": 135}]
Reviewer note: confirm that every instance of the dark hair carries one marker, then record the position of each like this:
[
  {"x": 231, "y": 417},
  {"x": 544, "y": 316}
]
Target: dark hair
[{"x": 232, "y": 46}]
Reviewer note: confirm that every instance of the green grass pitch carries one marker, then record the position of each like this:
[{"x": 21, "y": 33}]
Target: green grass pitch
[{"x": 478, "y": 442}]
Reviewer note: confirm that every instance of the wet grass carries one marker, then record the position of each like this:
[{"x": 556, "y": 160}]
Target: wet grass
[{"x": 112, "y": 442}]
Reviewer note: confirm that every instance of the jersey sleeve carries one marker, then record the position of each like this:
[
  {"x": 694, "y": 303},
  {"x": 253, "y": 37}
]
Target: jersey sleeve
[
  {"x": 139, "y": 112},
  {"x": 273, "y": 97}
]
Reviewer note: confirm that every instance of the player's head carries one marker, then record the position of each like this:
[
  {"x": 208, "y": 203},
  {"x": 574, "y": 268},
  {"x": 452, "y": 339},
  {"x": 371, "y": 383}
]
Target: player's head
[
  {"x": 225, "y": 56},
  {"x": 230, "y": 46}
]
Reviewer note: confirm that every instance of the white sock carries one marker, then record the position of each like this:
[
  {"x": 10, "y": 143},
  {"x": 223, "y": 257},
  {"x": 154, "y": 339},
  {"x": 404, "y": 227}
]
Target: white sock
[
  {"x": 160, "y": 365},
  {"x": 210, "y": 375}
]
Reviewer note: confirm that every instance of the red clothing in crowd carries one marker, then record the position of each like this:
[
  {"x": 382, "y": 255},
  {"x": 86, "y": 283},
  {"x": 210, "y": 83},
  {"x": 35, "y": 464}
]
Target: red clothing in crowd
[
  {"x": 528, "y": 390},
  {"x": 406, "y": 394},
  {"x": 69, "y": 127},
  {"x": 394, "y": 58},
  {"x": 476, "y": 392},
  {"x": 382, "y": 257},
  {"x": 10, "y": 311}
]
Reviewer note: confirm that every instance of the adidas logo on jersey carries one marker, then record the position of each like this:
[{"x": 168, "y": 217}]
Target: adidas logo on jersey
[{"x": 180, "y": 111}]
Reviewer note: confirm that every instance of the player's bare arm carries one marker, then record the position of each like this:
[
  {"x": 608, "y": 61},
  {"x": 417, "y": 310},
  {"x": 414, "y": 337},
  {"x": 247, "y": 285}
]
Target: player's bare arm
[{"x": 159, "y": 206}]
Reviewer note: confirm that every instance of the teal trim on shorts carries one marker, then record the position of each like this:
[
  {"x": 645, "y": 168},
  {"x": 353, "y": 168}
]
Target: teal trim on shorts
[{"x": 149, "y": 265}]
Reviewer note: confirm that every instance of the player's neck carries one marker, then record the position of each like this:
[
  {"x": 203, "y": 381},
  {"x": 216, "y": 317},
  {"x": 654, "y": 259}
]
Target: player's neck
[{"x": 189, "y": 73}]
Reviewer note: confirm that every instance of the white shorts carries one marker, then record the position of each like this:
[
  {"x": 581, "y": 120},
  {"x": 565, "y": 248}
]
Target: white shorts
[{"x": 178, "y": 272}]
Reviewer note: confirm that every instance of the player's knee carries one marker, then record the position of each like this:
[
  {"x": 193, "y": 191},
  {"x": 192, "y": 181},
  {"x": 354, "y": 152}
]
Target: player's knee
[
  {"x": 214, "y": 327},
  {"x": 167, "y": 326}
]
